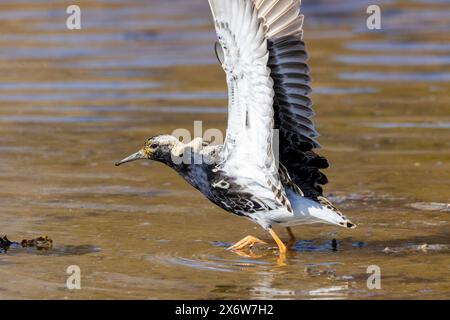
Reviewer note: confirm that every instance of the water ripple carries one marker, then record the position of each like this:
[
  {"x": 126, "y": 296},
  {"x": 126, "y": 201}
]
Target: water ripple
[
  {"x": 398, "y": 46},
  {"x": 397, "y": 76},
  {"x": 210, "y": 262},
  {"x": 394, "y": 60}
]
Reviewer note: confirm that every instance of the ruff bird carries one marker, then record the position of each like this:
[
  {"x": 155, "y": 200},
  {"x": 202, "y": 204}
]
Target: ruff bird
[{"x": 261, "y": 49}]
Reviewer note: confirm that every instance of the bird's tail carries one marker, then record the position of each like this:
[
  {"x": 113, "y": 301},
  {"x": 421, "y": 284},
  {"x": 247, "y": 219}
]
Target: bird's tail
[{"x": 333, "y": 215}]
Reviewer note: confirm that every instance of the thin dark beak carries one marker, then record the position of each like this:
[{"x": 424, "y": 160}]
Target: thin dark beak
[{"x": 135, "y": 156}]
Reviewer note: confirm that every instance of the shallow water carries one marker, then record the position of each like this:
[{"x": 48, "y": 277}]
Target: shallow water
[{"x": 74, "y": 102}]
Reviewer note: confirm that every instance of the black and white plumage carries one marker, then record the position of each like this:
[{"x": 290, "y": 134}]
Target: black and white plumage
[
  {"x": 261, "y": 50},
  {"x": 265, "y": 60}
]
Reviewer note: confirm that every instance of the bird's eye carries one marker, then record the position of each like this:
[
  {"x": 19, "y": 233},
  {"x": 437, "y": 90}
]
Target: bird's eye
[{"x": 154, "y": 146}]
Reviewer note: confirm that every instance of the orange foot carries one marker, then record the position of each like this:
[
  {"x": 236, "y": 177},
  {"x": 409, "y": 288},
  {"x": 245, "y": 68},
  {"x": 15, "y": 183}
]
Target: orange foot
[
  {"x": 249, "y": 242},
  {"x": 245, "y": 243}
]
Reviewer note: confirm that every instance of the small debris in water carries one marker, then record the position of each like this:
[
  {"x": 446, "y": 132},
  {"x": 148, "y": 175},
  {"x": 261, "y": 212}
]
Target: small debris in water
[
  {"x": 40, "y": 243},
  {"x": 417, "y": 248},
  {"x": 316, "y": 271},
  {"x": 334, "y": 245},
  {"x": 388, "y": 250},
  {"x": 4, "y": 244}
]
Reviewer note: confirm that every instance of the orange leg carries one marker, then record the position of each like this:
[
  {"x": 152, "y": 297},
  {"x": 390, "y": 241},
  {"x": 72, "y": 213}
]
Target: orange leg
[
  {"x": 281, "y": 246},
  {"x": 292, "y": 239}
]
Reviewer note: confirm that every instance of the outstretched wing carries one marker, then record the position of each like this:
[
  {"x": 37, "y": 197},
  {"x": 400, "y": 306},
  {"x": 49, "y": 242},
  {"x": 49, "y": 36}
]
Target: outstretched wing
[
  {"x": 283, "y": 23},
  {"x": 247, "y": 152}
]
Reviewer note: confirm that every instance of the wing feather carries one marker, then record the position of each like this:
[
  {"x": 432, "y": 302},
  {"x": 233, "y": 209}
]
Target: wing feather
[
  {"x": 247, "y": 152},
  {"x": 265, "y": 60},
  {"x": 283, "y": 24}
]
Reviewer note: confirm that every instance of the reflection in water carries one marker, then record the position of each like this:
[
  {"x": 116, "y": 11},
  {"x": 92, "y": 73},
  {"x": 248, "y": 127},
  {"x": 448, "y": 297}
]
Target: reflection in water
[
  {"x": 334, "y": 291},
  {"x": 310, "y": 246},
  {"x": 213, "y": 263},
  {"x": 265, "y": 289}
]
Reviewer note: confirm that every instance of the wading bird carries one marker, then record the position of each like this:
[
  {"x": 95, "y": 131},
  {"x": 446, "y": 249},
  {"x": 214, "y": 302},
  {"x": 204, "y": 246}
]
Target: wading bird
[{"x": 260, "y": 47}]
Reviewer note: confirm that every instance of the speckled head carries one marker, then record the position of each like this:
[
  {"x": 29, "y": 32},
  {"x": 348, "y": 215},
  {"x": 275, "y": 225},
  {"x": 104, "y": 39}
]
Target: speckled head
[{"x": 158, "y": 148}]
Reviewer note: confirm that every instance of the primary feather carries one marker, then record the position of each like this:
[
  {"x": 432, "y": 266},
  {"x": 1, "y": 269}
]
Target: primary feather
[{"x": 293, "y": 106}]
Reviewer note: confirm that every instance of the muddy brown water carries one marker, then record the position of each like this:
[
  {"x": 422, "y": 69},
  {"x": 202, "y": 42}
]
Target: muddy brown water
[{"x": 74, "y": 102}]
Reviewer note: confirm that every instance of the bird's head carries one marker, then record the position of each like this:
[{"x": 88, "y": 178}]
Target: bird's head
[{"x": 157, "y": 148}]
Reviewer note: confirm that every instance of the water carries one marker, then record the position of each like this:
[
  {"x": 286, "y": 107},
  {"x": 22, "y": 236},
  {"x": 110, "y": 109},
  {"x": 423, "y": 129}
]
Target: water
[{"x": 74, "y": 102}]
